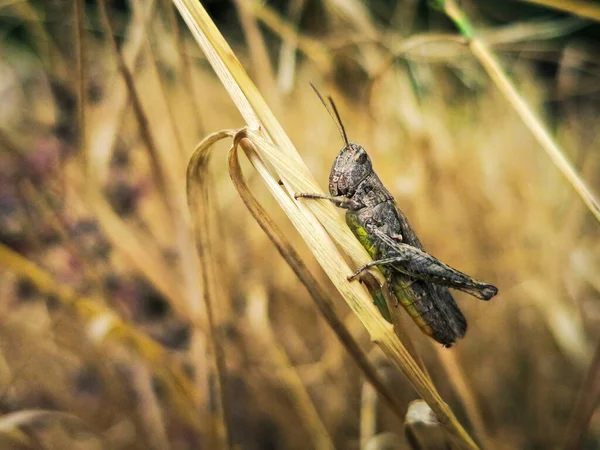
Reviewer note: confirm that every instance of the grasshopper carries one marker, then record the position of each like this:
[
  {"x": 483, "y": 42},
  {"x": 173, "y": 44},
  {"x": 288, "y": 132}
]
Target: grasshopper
[{"x": 414, "y": 278}]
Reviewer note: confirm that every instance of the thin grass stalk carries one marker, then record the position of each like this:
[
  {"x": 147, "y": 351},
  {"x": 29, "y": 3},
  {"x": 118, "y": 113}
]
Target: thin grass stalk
[
  {"x": 317, "y": 293},
  {"x": 105, "y": 327},
  {"x": 258, "y": 315},
  {"x": 14, "y": 421},
  {"x": 165, "y": 185},
  {"x": 185, "y": 68},
  {"x": 197, "y": 196},
  {"x": 312, "y": 48},
  {"x": 368, "y": 414},
  {"x": 148, "y": 408},
  {"x": 422, "y": 430},
  {"x": 80, "y": 49},
  {"x": 457, "y": 379},
  {"x": 287, "y": 51},
  {"x": 144, "y": 256},
  {"x": 587, "y": 9},
  {"x": 490, "y": 63},
  {"x": 261, "y": 63},
  {"x": 32, "y": 195},
  {"x": 47, "y": 50},
  {"x": 586, "y": 404},
  {"x": 163, "y": 93},
  {"x": 190, "y": 265},
  {"x": 296, "y": 178},
  {"x": 356, "y": 12},
  {"x": 149, "y": 262},
  {"x": 41, "y": 205},
  {"x": 110, "y": 116},
  {"x": 158, "y": 172}
]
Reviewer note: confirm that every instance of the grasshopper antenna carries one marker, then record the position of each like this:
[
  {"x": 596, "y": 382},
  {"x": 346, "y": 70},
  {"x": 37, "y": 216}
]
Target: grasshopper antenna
[{"x": 333, "y": 112}]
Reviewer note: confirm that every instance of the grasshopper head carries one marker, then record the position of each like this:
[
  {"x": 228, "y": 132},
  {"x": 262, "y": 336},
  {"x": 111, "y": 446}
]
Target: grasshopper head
[{"x": 351, "y": 166}]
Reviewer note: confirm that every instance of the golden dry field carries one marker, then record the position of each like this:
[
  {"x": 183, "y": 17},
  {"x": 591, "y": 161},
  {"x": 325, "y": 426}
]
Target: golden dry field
[{"x": 161, "y": 287}]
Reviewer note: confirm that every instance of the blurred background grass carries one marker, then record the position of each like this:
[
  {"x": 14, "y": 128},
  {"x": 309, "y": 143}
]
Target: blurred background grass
[{"x": 102, "y": 341}]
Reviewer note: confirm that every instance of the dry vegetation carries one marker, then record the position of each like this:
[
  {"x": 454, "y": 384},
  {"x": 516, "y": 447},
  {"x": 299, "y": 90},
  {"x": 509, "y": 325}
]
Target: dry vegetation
[{"x": 131, "y": 321}]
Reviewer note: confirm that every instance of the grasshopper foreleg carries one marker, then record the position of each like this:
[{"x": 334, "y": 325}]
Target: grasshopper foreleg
[{"x": 340, "y": 201}]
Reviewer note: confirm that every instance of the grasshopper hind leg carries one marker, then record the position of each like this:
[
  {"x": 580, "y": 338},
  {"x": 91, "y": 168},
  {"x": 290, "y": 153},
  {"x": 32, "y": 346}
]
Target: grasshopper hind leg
[{"x": 444, "y": 322}]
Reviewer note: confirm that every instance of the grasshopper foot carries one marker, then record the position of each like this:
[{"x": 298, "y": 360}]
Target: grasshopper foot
[
  {"x": 487, "y": 292},
  {"x": 352, "y": 277}
]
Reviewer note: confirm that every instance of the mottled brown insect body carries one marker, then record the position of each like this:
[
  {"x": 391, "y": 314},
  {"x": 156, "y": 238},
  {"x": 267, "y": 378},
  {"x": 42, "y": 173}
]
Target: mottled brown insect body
[{"x": 416, "y": 279}]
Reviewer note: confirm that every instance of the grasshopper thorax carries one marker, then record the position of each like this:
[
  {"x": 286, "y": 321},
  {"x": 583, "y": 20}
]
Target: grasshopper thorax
[{"x": 350, "y": 168}]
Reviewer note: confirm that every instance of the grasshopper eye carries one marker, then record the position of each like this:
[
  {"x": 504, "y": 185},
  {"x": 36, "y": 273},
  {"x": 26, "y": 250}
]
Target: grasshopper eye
[{"x": 361, "y": 156}]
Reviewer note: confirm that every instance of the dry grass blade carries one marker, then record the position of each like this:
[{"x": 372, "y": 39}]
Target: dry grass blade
[
  {"x": 580, "y": 8},
  {"x": 15, "y": 425},
  {"x": 312, "y": 48},
  {"x": 508, "y": 89},
  {"x": 317, "y": 293},
  {"x": 198, "y": 201},
  {"x": 368, "y": 414},
  {"x": 422, "y": 430},
  {"x": 158, "y": 170},
  {"x": 108, "y": 119},
  {"x": 166, "y": 184},
  {"x": 149, "y": 407},
  {"x": 297, "y": 178},
  {"x": 176, "y": 203},
  {"x": 259, "y": 319},
  {"x": 184, "y": 64},
  {"x": 15, "y": 420},
  {"x": 585, "y": 406},
  {"x": 145, "y": 256},
  {"x": 287, "y": 51},
  {"x": 80, "y": 48},
  {"x": 43, "y": 208},
  {"x": 261, "y": 64},
  {"x": 461, "y": 386},
  {"x": 106, "y": 328}
]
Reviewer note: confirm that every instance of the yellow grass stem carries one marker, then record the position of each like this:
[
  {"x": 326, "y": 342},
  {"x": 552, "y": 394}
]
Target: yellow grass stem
[
  {"x": 490, "y": 63},
  {"x": 585, "y": 406},
  {"x": 80, "y": 49},
  {"x": 281, "y": 154},
  {"x": 198, "y": 194},
  {"x": 368, "y": 414},
  {"x": 154, "y": 60},
  {"x": 39, "y": 200},
  {"x": 148, "y": 407},
  {"x": 587, "y": 9},
  {"x": 144, "y": 256},
  {"x": 312, "y": 48},
  {"x": 287, "y": 52},
  {"x": 105, "y": 328},
  {"x": 12, "y": 423},
  {"x": 166, "y": 183},
  {"x": 261, "y": 63},
  {"x": 184, "y": 65},
  {"x": 158, "y": 171},
  {"x": 457, "y": 379},
  {"x": 257, "y": 312},
  {"x": 109, "y": 117}
]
